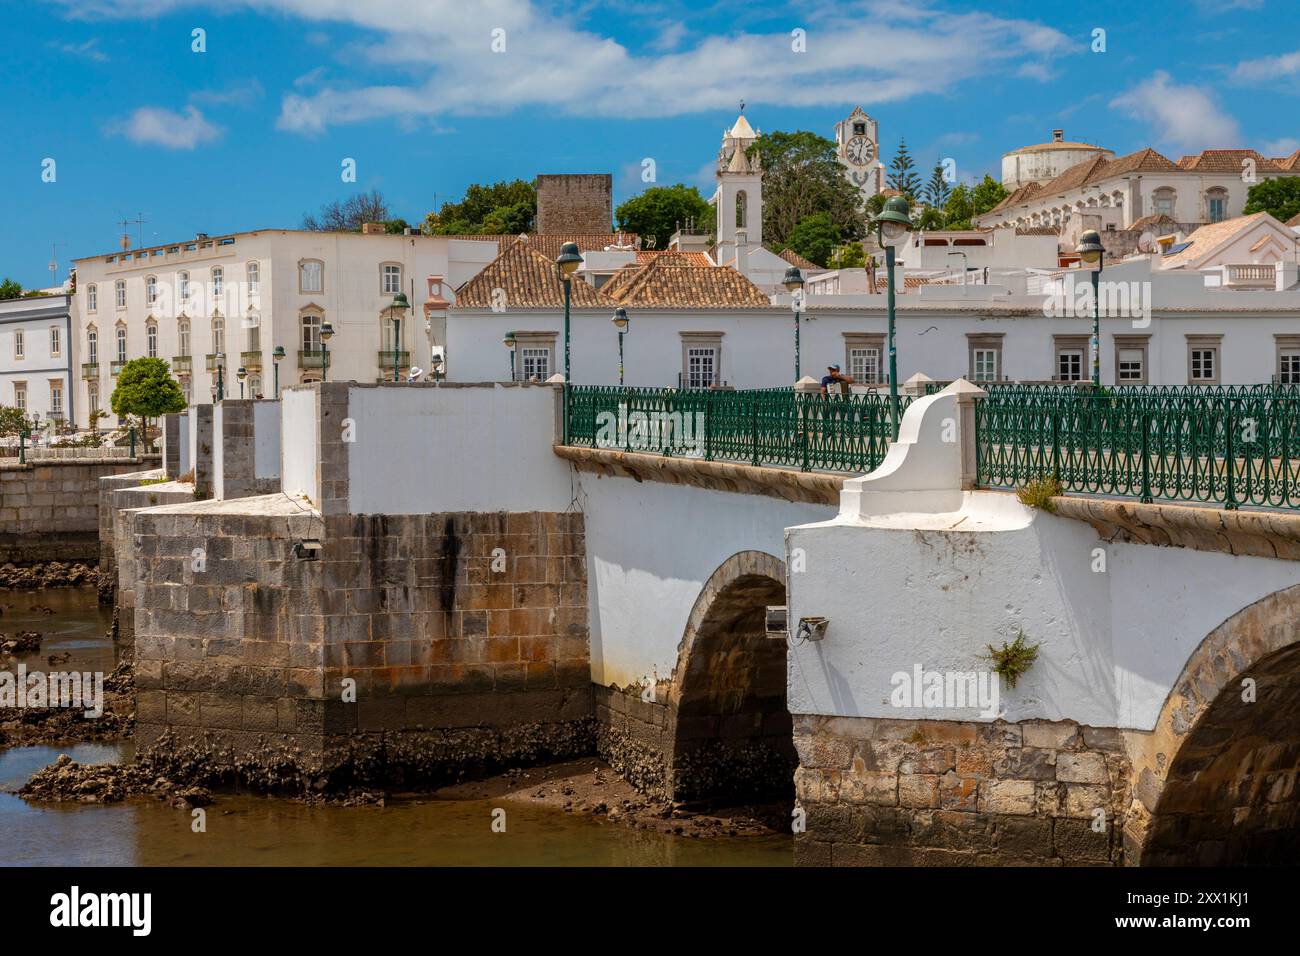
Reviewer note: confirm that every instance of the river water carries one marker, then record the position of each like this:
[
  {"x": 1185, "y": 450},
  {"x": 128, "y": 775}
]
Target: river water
[{"x": 251, "y": 830}]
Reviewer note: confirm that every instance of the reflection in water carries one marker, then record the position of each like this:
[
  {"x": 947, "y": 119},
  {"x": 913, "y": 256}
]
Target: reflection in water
[{"x": 252, "y": 830}]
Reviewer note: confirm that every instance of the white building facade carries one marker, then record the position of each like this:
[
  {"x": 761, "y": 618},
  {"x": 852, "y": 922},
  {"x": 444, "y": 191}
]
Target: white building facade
[{"x": 36, "y": 357}]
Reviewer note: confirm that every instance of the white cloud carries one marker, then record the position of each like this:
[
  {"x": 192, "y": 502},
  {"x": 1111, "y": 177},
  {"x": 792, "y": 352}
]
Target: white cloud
[
  {"x": 85, "y": 51},
  {"x": 242, "y": 94},
  {"x": 1267, "y": 69},
  {"x": 155, "y": 126},
  {"x": 1183, "y": 116},
  {"x": 1281, "y": 147},
  {"x": 551, "y": 64}
]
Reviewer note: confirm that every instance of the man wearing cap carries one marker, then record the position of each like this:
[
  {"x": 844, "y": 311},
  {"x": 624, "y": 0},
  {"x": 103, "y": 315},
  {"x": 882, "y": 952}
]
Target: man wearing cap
[{"x": 834, "y": 375}]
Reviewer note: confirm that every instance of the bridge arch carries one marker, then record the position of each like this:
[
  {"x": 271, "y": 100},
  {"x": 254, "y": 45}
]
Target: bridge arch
[
  {"x": 1218, "y": 782},
  {"x": 732, "y": 734}
]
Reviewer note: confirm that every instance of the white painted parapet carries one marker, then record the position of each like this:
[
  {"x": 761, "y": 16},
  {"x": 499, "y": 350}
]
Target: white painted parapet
[{"x": 915, "y": 572}]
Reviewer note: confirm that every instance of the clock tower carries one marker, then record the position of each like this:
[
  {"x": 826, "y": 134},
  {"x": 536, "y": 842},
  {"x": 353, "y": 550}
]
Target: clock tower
[{"x": 857, "y": 140}]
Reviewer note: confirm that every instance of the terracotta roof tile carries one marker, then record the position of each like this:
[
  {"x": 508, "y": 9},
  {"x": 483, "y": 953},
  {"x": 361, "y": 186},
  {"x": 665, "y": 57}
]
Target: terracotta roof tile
[
  {"x": 1156, "y": 223},
  {"x": 702, "y": 259},
  {"x": 672, "y": 281},
  {"x": 1294, "y": 220},
  {"x": 1206, "y": 238},
  {"x": 528, "y": 279},
  {"x": 1228, "y": 161},
  {"x": 792, "y": 257},
  {"x": 549, "y": 244}
]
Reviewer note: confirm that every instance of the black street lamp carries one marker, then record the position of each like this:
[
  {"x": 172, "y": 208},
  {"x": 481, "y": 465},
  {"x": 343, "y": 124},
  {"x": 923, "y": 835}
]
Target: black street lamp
[
  {"x": 326, "y": 333},
  {"x": 621, "y": 323},
  {"x": 395, "y": 311},
  {"x": 566, "y": 264},
  {"x": 241, "y": 375},
  {"x": 221, "y": 382},
  {"x": 509, "y": 342},
  {"x": 1090, "y": 251},
  {"x": 276, "y": 356},
  {"x": 892, "y": 226},
  {"x": 793, "y": 283}
]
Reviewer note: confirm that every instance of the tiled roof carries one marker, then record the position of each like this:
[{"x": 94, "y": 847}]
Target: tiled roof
[
  {"x": 702, "y": 259},
  {"x": 620, "y": 278},
  {"x": 672, "y": 281},
  {"x": 1143, "y": 161},
  {"x": 528, "y": 279},
  {"x": 792, "y": 257},
  {"x": 1077, "y": 175},
  {"x": 909, "y": 282},
  {"x": 1156, "y": 223},
  {"x": 1294, "y": 220},
  {"x": 549, "y": 244},
  {"x": 1205, "y": 239},
  {"x": 1096, "y": 169},
  {"x": 1290, "y": 163},
  {"x": 1038, "y": 231},
  {"x": 1022, "y": 194},
  {"x": 1228, "y": 161}
]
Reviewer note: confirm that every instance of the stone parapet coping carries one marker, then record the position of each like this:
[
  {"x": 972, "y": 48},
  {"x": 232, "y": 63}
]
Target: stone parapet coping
[
  {"x": 12, "y": 465},
  {"x": 811, "y": 487},
  {"x": 1264, "y": 534}
]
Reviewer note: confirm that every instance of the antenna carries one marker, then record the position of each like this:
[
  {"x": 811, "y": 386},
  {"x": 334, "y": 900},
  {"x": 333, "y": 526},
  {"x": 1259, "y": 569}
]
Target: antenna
[
  {"x": 139, "y": 221},
  {"x": 54, "y": 261}
]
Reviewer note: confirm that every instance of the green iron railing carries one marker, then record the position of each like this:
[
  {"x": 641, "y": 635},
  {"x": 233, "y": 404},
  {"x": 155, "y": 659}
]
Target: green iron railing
[
  {"x": 810, "y": 432},
  {"x": 1230, "y": 445}
]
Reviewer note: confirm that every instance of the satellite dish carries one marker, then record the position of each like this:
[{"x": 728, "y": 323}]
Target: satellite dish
[{"x": 1147, "y": 242}]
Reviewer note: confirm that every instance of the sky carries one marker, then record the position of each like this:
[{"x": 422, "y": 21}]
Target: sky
[{"x": 225, "y": 115}]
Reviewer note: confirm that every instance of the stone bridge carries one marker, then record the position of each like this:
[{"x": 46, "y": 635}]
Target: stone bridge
[{"x": 439, "y": 586}]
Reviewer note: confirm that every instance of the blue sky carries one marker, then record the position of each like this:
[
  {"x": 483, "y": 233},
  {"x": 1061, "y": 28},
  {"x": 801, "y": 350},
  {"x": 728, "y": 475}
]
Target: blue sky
[{"x": 252, "y": 132}]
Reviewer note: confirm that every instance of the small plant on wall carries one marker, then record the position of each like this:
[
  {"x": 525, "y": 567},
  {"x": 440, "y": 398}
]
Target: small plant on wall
[
  {"x": 1012, "y": 660},
  {"x": 1040, "y": 492}
]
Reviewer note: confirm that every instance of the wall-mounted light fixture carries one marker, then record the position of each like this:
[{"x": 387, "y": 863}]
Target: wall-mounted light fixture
[
  {"x": 778, "y": 622},
  {"x": 308, "y": 549}
]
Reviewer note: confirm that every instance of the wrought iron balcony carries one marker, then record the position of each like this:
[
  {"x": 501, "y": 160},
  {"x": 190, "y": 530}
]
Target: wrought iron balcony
[
  {"x": 115, "y": 367},
  {"x": 386, "y": 359},
  {"x": 182, "y": 364},
  {"x": 250, "y": 360},
  {"x": 311, "y": 359},
  {"x": 90, "y": 370}
]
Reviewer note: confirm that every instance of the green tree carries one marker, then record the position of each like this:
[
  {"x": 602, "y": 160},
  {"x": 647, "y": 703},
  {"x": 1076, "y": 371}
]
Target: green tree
[
  {"x": 1281, "y": 197},
  {"x": 988, "y": 192},
  {"x": 9, "y": 289},
  {"x": 959, "y": 207},
  {"x": 350, "y": 214},
  {"x": 902, "y": 174},
  {"x": 802, "y": 176},
  {"x": 815, "y": 238},
  {"x": 13, "y": 420},
  {"x": 657, "y": 213},
  {"x": 493, "y": 209},
  {"x": 937, "y": 189},
  {"x": 928, "y": 218},
  {"x": 146, "y": 389},
  {"x": 848, "y": 256}
]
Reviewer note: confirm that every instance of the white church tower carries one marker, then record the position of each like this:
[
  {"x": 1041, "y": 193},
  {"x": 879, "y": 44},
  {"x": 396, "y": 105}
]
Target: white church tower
[
  {"x": 857, "y": 139},
  {"x": 739, "y": 197}
]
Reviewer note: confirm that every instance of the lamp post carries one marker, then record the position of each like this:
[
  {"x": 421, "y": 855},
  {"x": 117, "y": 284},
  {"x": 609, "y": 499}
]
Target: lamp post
[
  {"x": 964, "y": 266},
  {"x": 566, "y": 264},
  {"x": 436, "y": 364},
  {"x": 395, "y": 311},
  {"x": 621, "y": 323},
  {"x": 326, "y": 333},
  {"x": 221, "y": 382},
  {"x": 509, "y": 342},
  {"x": 892, "y": 225},
  {"x": 276, "y": 356},
  {"x": 793, "y": 283},
  {"x": 241, "y": 375},
  {"x": 1090, "y": 251}
]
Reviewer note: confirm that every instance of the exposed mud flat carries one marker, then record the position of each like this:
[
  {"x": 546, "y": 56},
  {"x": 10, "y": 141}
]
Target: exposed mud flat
[
  {"x": 65, "y": 780},
  {"x": 25, "y": 726},
  {"x": 51, "y": 574}
]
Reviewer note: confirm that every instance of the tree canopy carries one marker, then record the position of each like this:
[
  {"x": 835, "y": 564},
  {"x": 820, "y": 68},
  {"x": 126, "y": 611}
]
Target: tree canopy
[
  {"x": 815, "y": 238},
  {"x": 146, "y": 389},
  {"x": 1281, "y": 197},
  {"x": 967, "y": 202},
  {"x": 351, "y": 214},
  {"x": 902, "y": 174},
  {"x": 13, "y": 420},
  {"x": 656, "y": 213},
  {"x": 505, "y": 208},
  {"x": 9, "y": 289},
  {"x": 802, "y": 176}
]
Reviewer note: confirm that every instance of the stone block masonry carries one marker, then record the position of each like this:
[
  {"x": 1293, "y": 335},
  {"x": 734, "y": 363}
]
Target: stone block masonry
[
  {"x": 577, "y": 204},
  {"x": 951, "y": 793},
  {"x": 121, "y": 499},
  {"x": 49, "y": 509},
  {"x": 416, "y": 649}
]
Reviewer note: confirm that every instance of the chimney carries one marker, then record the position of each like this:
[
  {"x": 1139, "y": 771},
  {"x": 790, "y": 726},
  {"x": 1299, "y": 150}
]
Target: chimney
[
  {"x": 372, "y": 229},
  {"x": 201, "y": 236},
  {"x": 1058, "y": 135}
]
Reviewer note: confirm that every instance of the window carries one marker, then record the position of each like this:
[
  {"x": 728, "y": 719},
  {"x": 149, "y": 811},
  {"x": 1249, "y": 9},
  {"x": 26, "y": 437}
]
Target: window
[
  {"x": 187, "y": 389},
  {"x": 121, "y": 343},
  {"x": 20, "y": 396},
  {"x": 1131, "y": 359},
  {"x": 92, "y": 394},
  {"x": 183, "y": 285},
  {"x": 92, "y": 297},
  {"x": 1203, "y": 359},
  {"x": 1288, "y": 359},
  {"x": 151, "y": 339},
  {"x": 254, "y": 386},
  {"x": 119, "y": 292},
  {"x": 535, "y": 363},
  {"x": 1164, "y": 200},
  {"x": 701, "y": 359},
  {"x": 311, "y": 322},
  {"x": 56, "y": 398},
  {"x": 20, "y": 344},
  {"x": 392, "y": 279},
  {"x": 92, "y": 346},
  {"x": 218, "y": 335},
  {"x": 862, "y": 355},
  {"x": 151, "y": 290},
  {"x": 311, "y": 276},
  {"x": 254, "y": 274},
  {"x": 56, "y": 342},
  {"x": 985, "y": 356},
  {"x": 254, "y": 333},
  {"x": 218, "y": 282},
  {"x": 1216, "y": 204},
  {"x": 859, "y": 129},
  {"x": 1069, "y": 362},
  {"x": 392, "y": 337},
  {"x": 183, "y": 330}
]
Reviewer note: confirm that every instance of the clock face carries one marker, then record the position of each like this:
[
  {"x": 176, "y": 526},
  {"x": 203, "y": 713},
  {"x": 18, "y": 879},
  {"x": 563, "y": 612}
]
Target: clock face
[{"x": 860, "y": 151}]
